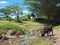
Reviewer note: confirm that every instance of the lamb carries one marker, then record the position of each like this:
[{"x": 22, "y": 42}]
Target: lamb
[{"x": 47, "y": 30}]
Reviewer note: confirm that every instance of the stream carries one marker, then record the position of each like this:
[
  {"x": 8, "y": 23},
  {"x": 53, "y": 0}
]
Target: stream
[{"x": 32, "y": 34}]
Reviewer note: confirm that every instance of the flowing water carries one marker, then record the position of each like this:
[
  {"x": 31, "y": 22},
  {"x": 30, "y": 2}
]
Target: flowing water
[{"x": 33, "y": 34}]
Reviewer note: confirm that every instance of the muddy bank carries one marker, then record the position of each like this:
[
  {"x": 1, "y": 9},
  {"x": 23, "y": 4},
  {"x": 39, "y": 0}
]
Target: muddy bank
[
  {"x": 20, "y": 39},
  {"x": 25, "y": 39}
]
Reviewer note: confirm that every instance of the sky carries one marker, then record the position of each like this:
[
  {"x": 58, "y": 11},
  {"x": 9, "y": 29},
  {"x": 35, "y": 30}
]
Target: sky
[{"x": 4, "y": 3}]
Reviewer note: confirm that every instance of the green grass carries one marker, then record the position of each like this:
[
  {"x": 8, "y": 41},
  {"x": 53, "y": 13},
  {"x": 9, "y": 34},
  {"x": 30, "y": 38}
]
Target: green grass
[
  {"x": 38, "y": 41},
  {"x": 9, "y": 19},
  {"x": 20, "y": 27},
  {"x": 28, "y": 25},
  {"x": 15, "y": 27},
  {"x": 56, "y": 27}
]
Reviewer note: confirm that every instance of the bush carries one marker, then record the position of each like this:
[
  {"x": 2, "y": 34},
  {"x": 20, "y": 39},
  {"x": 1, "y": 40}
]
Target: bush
[
  {"x": 9, "y": 19},
  {"x": 24, "y": 18},
  {"x": 3, "y": 18},
  {"x": 16, "y": 28},
  {"x": 41, "y": 20}
]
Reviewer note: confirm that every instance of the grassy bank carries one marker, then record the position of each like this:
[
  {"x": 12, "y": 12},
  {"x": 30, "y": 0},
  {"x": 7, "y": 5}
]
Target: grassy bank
[
  {"x": 28, "y": 25},
  {"x": 38, "y": 41},
  {"x": 15, "y": 27},
  {"x": 20, "y": 27},
  {"x": 56, "y": 27}
]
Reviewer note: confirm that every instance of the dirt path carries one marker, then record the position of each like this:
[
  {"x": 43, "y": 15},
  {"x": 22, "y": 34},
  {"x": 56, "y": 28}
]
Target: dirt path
[{"x": 57, "y": 37}]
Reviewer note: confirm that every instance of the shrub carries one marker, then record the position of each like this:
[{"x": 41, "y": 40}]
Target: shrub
[
  {"x": 24, "y": 18},
  {"x": 3, "y": 18},
  {"x": 9, "y": 18},
  {"x": 40, "y": 19},
  {"x": 16, "y": 28}
]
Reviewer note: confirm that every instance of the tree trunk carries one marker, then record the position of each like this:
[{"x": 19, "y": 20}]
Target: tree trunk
[
  {"x": 18, "y": 18},
  {"x": 7, "y": 16},
  {"x": 48, "y": 16},
  {"x": 57, "y": 20}
]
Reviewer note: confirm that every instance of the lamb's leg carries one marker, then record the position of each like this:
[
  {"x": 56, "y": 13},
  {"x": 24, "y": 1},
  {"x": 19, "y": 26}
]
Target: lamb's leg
[{"x": 48, "y": 33}]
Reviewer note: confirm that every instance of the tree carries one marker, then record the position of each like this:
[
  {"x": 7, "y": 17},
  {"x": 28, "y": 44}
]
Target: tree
[
  {"x": 6, "y": 11},
  {"x": 16, "y": 10},
  {"x": 34, "y": 7},
  {"x": 32, "y": 14},
  {"x": 44, "y": 7}
]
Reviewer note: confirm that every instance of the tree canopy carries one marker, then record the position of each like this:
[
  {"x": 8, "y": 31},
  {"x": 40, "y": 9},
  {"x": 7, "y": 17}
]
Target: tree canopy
[
  {"x": 6, "y": 11},
  {"x": 47, "y": 8},
  {"x": 16, "y": 10}
]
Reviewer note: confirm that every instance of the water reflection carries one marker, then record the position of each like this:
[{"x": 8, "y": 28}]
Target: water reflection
[
  {"x": 32, "y": 34},
  {"x": 25, "y": 40}
]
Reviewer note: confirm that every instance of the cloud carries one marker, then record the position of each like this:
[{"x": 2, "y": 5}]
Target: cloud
[
  {"x": 3, "y": 2},
  {"x": 25, "y": 11}
]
